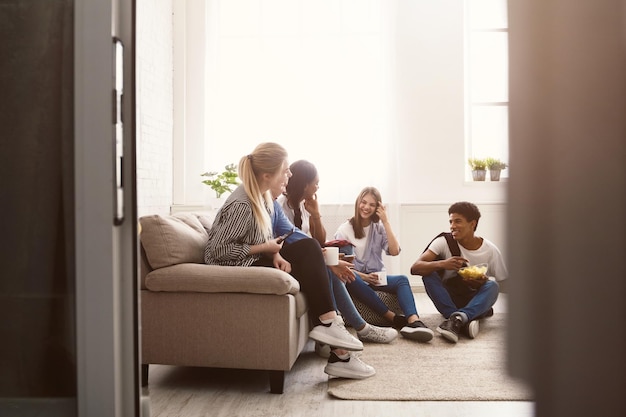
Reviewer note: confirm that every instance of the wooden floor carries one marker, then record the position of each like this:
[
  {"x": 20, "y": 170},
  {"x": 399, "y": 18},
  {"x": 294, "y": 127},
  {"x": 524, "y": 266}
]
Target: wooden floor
[{"x": 180, "y": 391}]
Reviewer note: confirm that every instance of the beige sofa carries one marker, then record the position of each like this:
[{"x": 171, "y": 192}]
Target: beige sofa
[{"x": 193, "y": 314}]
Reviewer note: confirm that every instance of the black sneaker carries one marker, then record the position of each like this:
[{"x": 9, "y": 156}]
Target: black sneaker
[
  {"x": 417, "y": 331},
  {"x": 451, "y": 328},
  {"x": 399, "y": 322}
]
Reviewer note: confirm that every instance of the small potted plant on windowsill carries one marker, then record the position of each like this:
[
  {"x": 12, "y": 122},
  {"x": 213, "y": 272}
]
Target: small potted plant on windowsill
[
  {"x": 222, "y": 182},
  {"x": 495, "y": 167},
  {"x": 478, "y": 167}
]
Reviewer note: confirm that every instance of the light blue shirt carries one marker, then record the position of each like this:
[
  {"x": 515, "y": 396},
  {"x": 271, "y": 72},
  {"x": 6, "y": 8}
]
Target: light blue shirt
[{"x": 370, "y": 258}]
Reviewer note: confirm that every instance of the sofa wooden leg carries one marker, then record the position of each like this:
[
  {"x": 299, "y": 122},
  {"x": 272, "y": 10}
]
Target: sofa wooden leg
[
  {"x": 144, "y": 374},
  {"x": 277, "y": 382}
]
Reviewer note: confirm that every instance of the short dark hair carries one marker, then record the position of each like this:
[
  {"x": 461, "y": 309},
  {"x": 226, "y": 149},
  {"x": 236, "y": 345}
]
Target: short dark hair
[{"x": 467, "y": 210}]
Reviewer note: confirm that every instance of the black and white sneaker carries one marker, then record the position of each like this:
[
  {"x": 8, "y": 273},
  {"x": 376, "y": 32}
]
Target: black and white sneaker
[
  {"x": 451, "y": 328},
  {"x": 336, "y": 335},
  {"x": 417, "y": 331},
  {"x": 352, "y": 367}
]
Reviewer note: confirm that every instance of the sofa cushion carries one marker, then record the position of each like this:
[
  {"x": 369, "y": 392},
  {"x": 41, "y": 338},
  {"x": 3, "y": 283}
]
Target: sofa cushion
[
  {"x": 171, "y": 240},
  {"x": 206, "y": 219},
  {"x": 215, "y": 278}
]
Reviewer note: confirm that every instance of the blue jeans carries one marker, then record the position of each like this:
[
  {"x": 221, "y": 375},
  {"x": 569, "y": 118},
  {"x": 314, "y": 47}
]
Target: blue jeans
[
  {"x": 344, "y": 303},
  {"x": 396, "y": 284},
  {"x": 484, "y": 299}
]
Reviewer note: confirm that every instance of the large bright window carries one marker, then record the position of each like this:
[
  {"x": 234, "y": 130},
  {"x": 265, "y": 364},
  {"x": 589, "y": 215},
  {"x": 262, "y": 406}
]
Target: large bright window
[
  {"x": 310, "y": 75},
  {"x": 487, "y": 98},
  {"x": 373, "y": 92}
]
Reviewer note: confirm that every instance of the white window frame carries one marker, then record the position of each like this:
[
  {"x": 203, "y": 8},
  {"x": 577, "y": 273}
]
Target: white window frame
[{"x": 471, "y": 104}]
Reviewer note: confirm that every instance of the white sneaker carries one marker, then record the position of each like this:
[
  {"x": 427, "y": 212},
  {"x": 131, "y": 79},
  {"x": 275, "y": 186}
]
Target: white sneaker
[
  {"x": 335, "y": 335},
  {"x": 353, "y": 367},
  {"x": 322, "y": 350},
  {"x": 378, "y": 334},
  {"x": 472, "y": 328}
]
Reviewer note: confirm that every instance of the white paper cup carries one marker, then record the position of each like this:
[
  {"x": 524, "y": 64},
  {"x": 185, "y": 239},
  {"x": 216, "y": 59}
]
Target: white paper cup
[
  {"x": 382, "y": 277},
  {"x": 331, "y": 255}
]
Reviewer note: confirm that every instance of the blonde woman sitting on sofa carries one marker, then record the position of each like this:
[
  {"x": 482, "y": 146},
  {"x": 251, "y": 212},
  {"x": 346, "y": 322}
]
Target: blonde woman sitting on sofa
[{"x": 243, "y": 234}]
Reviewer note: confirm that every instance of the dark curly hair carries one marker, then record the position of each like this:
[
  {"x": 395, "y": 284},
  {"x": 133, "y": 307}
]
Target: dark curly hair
[{"x": 467, "y": 210}]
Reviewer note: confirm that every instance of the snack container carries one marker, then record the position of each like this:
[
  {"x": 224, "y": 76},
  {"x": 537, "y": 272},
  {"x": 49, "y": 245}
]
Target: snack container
[{"x": 473, "y": 271}]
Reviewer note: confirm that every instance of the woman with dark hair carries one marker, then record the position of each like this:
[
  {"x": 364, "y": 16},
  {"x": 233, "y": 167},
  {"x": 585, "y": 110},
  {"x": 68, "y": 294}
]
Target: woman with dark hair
[
  {"x": 370, "y": 233},
  {"x": 243, "y": 234},
  {"x": 299, "y": 202}
]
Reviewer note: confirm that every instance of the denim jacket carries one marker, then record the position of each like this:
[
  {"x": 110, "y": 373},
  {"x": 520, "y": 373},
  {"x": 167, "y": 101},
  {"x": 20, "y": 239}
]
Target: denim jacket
[{"x": 281, "y": 225}]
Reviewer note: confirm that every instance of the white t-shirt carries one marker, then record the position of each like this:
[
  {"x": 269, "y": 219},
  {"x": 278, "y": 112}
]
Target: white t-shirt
[
  {"x": 346, "y": 232},
  {"x": 487, "y": 253},
  {"x": 306, "y": 216},
  {"x": 369, "y": 249}
]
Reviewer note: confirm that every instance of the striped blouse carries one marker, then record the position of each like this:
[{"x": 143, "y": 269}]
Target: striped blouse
[{"x": 233, "y": 232}]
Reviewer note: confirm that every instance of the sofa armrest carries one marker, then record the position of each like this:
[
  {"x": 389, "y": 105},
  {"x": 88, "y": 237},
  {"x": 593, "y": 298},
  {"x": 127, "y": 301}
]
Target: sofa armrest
[{"x": 191, "y": 277}]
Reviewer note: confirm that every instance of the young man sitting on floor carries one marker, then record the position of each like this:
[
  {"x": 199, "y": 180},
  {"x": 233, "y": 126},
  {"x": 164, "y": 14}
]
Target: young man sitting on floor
[{"x": 462, "y": 302}]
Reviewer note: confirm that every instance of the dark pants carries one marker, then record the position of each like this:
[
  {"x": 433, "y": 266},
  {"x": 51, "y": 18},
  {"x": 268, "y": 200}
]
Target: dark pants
[{"x": 309, "y": 269}]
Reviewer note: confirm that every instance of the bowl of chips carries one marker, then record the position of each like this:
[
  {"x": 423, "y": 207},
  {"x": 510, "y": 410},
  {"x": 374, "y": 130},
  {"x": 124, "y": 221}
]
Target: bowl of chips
[{"x": 473, "y": 271}]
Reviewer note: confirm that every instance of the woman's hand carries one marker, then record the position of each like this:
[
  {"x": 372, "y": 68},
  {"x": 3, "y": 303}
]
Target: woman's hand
[
  {"x": 311, "y": 205},
  {"x": 393, "y": 246},
  {"x": 281, "y": 263},
  {"x": 381, "y": 212},
  {"x": 371, "y": 279},
  {"x": 343, "y": 271},
  {"x": 272, "y": 246}
]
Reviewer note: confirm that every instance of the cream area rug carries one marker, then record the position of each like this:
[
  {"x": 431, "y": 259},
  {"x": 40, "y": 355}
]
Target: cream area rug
[{"x": 470, "y": 370}]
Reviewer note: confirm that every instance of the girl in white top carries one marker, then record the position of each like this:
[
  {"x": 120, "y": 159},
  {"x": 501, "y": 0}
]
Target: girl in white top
[
  {"x": 369, "y": 231},
  {"x": 299, "y": 202}
]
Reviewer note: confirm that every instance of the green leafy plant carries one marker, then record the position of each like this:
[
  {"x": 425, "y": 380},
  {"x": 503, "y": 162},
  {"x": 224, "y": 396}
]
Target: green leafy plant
[
  {"x": 495, "y": 164},
  {"x": 477, "y": 164},
  {"x": 222, "y": 182}
]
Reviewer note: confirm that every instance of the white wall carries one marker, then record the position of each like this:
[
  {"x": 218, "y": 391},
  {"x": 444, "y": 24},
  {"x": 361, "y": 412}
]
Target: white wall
[{"x": 155, "y": 104}]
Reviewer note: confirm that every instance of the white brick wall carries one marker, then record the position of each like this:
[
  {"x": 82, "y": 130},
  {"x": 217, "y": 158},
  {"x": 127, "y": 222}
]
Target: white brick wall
[{"x": 154, "y": 60}]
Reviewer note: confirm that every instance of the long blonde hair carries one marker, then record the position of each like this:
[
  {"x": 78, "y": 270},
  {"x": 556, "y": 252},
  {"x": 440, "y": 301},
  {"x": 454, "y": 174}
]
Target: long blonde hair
[{"x": 267, "y": 158}]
